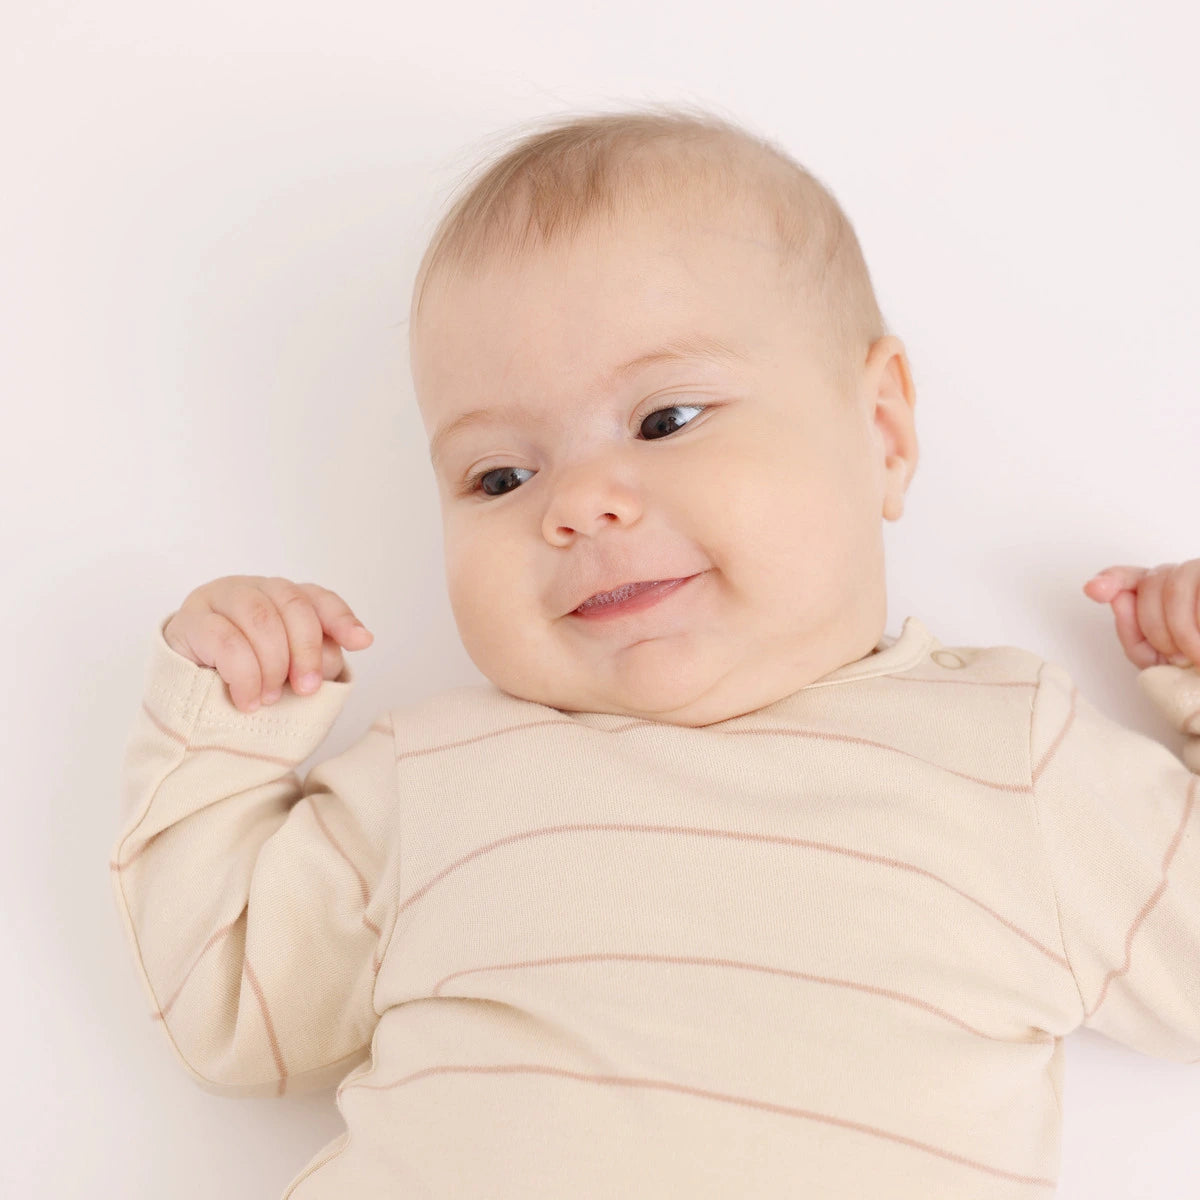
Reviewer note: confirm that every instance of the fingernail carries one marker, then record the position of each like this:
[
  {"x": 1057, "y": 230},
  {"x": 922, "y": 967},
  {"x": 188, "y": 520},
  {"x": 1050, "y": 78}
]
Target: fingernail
[
  {"x": 309, "y": 682},
  {"x": 271, "y": 697},
  {"x": 252, "y": 706}
]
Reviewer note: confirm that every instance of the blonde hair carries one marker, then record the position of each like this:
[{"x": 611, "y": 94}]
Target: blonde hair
[{"x": 560, "y": 176}]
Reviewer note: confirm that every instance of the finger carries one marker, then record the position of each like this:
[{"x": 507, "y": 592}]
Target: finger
[
  {"x": 222, "y": 643},
  {"x": 1152, "y": 612},
  {"x": 255, "y": 613},
  {"x": 1101, "y": 588},
  {"x": 1129, "y": 632},
  {"x": 332, "y": 660},
  {"x": 1104, "y": 585},
  {"x": 337, "y": 619},
  {"x": 1181, "y": 606},
  {"x": 304, "y": 633}
]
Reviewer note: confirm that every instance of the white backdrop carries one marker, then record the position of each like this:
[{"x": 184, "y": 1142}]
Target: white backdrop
[{"x": 211, "y": 217}]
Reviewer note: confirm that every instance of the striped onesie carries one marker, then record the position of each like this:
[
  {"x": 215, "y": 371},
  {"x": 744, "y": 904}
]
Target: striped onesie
[{"x": 829, "y": 948}]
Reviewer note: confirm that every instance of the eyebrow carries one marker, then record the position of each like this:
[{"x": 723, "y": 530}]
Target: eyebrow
[{"x": 677, "y": 350}]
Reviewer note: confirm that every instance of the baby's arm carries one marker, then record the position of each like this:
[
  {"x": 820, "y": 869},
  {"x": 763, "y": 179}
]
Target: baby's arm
[
  {"x": 253, "y": 901},
  {"x": 1120, "y": 821}
]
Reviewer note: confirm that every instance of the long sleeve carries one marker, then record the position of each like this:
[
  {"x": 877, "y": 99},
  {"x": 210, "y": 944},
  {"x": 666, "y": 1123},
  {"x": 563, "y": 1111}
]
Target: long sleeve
[
  {"x": 255, "y": 904},
  {"x": 1120, "y": 822}
]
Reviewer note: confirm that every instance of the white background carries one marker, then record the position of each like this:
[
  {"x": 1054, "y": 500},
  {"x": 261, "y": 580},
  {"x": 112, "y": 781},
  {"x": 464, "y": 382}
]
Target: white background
[{"x": 211, "y": 217}]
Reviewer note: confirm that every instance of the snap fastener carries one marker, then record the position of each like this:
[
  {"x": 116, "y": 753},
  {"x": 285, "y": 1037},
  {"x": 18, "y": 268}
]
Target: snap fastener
[{"x": 947, "y": 659}]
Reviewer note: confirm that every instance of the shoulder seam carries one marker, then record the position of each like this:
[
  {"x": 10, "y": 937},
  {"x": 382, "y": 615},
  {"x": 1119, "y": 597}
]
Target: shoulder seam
[{"x": 1034, "y": 800}]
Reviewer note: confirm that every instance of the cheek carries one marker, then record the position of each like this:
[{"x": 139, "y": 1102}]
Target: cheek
[
  {"x": 468, "y": 571},
  {"x": 779, "y": 519},
  {"x": 766, "y": 494},
  {"x": 483, "y": 571}
]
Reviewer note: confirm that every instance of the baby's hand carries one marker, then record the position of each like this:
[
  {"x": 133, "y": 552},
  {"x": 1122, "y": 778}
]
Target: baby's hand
[
  {"x": 257, "y": 631},
  {"x": 1157, "y": 611}
]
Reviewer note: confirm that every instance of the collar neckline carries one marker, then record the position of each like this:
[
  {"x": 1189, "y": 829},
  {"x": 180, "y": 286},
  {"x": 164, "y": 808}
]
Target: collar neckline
[{"x": 890, "y": 656}]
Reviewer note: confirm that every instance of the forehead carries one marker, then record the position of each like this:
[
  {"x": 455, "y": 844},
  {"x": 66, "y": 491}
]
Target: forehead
[{"x": 574, "y": 314}]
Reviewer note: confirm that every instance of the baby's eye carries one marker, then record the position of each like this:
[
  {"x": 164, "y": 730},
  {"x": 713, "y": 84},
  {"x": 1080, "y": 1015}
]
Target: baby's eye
[
  {"x": 657, "y": 420},
  {"x": 477, "y": 484}
]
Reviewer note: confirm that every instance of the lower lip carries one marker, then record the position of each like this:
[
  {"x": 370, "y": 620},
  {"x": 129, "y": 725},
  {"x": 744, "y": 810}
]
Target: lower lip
[{"x": 636, "y": 603}]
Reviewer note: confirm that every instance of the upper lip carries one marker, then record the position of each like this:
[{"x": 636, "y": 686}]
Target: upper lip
[{"x": 612, "y": 587}]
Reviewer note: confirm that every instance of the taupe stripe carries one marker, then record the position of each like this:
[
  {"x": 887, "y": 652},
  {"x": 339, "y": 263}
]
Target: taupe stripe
[
  {"x": 1021, "y": 683},
  {"x": 378, "y": 727},
  {"x": 218, "y": 936},
  {"x": 1040, "y": 1036},
  {"x": 1152, "y": 901},
  {"x": 505, "y": 729},
  {"x": 1154, "y": 898},
  {"x": 163, "y": 727},
  {"x": 824, "y": 736},
  {"x": 276, "y": 1053},
  {"x": 362, "y": 883},
  {"x": 252, "y": 978},
  {"x": 247, "y": 970},
  {"x": 194, "y": 746},
  {"x": 382, "y": 726},
  {"x": 734, "y": 835},
  {"x": 1062, "y": 733},
  {"x": 814, "y": 734},
  {"x": 705, "y": 1094}
]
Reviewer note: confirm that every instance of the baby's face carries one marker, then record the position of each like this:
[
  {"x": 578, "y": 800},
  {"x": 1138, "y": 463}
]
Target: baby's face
[{"x": 754, "y": 481}]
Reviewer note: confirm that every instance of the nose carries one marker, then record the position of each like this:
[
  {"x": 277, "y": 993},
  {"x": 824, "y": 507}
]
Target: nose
[{"x": 588, "y": 497}]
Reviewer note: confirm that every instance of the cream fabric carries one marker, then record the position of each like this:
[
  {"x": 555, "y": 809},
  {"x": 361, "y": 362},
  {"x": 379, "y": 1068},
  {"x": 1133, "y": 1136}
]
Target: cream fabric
[{"x": 826, "y": 949}]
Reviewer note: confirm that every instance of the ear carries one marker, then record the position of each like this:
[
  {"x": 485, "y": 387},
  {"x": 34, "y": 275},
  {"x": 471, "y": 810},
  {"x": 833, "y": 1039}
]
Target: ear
[{"x": 889, "y": 399}]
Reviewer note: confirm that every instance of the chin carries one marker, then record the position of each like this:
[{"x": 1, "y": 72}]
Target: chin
[
  {"x": 654, "y": 680},
  {"x": 660, "y": 687}
]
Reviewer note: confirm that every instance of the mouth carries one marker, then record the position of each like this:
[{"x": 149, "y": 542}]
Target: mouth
[{"x": 628, "y": 598}]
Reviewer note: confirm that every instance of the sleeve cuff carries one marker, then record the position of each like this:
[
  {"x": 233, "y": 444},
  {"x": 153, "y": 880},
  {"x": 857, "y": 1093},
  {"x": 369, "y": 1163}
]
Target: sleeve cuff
[
  {"x": 1176, "y": 691},
  {"x": 195, "y": 701}
]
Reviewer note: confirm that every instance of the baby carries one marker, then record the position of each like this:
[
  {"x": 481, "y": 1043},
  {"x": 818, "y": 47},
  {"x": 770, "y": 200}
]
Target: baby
[{"x": 714, "y": 890}]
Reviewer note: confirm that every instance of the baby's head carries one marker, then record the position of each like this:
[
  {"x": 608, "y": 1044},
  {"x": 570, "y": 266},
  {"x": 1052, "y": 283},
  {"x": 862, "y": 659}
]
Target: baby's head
[{"x": 645, "y": 346}]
